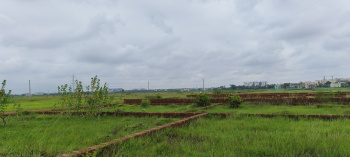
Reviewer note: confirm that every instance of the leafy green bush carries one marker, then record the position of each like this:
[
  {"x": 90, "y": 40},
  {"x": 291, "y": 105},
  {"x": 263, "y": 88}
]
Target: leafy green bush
[
  {"x": 145, "y": 103},
  {"x": 93, "y": 99},
  {"x": 4, "y": 100},
  {"x": 96, "y": 96},
  {"x": 202, "y": 100},
  {"x": 66, "y": 97},
  {"x": 234, "y": 101}
]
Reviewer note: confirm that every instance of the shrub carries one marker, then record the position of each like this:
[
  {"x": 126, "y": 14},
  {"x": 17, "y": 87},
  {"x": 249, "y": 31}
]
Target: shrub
[
  {"x": 66, "y": 96},
  {"x": 234, "y": 101},
  {"x": 202, "y": 100},
  {"x": 96, "y": 96},
  {"x": 4, "y": 100},
  {"x": 93, "y": 99},
  {"x": 145, "y": 103}
]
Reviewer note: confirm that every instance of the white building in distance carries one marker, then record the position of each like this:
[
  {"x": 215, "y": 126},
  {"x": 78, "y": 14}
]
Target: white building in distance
[{"x": 261, "y": 83}]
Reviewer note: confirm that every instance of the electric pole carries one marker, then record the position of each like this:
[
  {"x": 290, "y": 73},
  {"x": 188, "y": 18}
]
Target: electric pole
[
  {"x": 30, "y": 92},
  {"x": 148, "y": 85},
  {"x": 203, "y": 85}
]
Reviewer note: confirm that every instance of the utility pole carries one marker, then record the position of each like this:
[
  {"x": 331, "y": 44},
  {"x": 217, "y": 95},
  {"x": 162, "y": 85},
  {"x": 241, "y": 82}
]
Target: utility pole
[
  {"x": 30, "y": 92},
  {"x": 203, "y": 85},
  {"x": 148, "y": 85}
]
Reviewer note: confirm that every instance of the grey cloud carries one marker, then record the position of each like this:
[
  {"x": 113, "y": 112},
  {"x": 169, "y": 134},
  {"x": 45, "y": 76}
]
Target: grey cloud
[
  {"x": 301, "y": 32},
  {"x": 95, "y": 27},
  {"x": 108, "y": 54},
  {"x": 159, "y": 22},
  {"x": 337, "y": 44},
  {"x": 175, "y": 42}
]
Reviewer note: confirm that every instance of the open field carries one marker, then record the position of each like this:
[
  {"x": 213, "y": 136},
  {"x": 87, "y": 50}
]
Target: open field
[
  {"x": 244, "y": 136},
  {"x": 324, "y": 109},
  {"x": 44, "y": 102},
  {"x": 236, "y": 135},
  {"x": 151, "y": 108},
  {"x": 49, "y": 135},
  {"x": 36, "y": 102}
]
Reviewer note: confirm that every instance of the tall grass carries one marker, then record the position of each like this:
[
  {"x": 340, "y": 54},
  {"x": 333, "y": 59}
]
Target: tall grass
[
  {"x": 43, "y": 102},
  {"x": 244, "y": 136},
  {"x": 49, "y": 135},
  {"x": 151, "y": 108},
  {"x": 246, "y": 107}
]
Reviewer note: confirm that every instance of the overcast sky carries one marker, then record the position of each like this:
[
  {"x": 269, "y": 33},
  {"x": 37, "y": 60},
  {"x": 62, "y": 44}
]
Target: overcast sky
[{"x": 171, "y": 43}]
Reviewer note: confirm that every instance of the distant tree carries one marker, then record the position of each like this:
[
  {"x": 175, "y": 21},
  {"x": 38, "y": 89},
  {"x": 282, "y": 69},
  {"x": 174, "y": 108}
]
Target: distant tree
[
  {"x": 270, "y": 86},
  {"x": 222, "y": 87},
  {"x": 233, "y": 87},
  {"x": 286, "y": 85},
  {"x": 327, "y": 84}
]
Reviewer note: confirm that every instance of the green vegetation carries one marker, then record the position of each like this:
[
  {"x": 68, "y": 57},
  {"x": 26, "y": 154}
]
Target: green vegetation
[
  {"x": 153, "y": 96},
  {"x": 50, "y": 135},
  {"x": 217, "y": 91},
  {"x": 152, "y": 108},
  {"x": 202, "y": 100},
  {"x": 4, "y": 100},
  {"x": 37, "y": 102},
  {"x": 325, "y": 96},
  {"x": 94, "y": 97},
  {"x": 145, "y": 103},
  {"x": 244, "y": 136},
  {"x": 234, "y": 101},
  {"x": 246, "y": 107}
]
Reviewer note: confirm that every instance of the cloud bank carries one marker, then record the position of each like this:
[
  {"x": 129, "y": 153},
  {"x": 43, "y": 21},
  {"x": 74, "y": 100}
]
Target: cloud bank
[{"x": 172, "y": 44}]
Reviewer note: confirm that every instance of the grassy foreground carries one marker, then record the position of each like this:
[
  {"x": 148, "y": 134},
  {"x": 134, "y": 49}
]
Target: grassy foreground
[
  {"x": 244, "y": 136},
  {"x": 50, "y": 135}
]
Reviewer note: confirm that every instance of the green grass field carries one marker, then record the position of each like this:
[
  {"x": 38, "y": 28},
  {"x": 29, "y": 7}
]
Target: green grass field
[
  {"x": 50, "y": 135},
  {"x": 244, "y": 136},
  {"x": 151, "y": 108},
  {"x": 324, "y": 109},
  {"x": 238, "y": 135},
  {"x": 36, "y": 102},
  {"x": 45, "y": 102}
]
